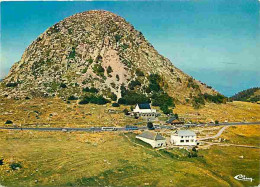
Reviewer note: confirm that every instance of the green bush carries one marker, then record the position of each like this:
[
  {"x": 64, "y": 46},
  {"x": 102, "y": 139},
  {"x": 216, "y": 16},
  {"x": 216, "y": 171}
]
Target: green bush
[
  {"x": 115, "y": 105},
  {"x": 72, "y": 97},
  {"x": 150, "y": 126},
  {"x": 8, "y": 122},
  {"x": 62, "y": 85},
  {"x": 215, "y": 98},
  {"x": 117, "y": 37},
  {"x": 15, "y": 166},
  {"x": 165, "y": 109},
  {"x": 133, "y": 84},
  {"x": 109, "y": 70},
  {"x": 91, "y": 90},
  {"x": 126, "y": 112},
  {"x": 72, "y": 53},
  {"x": 154, "y": 80},
  {"x": 98, "y": 69},
  {"x": 131, "y": 98},
  {"x": 160, "y": 99},
  {"x": 113, "y": 96},
  {"x": 11, "y": 84},
  {"x": 138, "y": 72},
  {"x": 100, "y": 100}
]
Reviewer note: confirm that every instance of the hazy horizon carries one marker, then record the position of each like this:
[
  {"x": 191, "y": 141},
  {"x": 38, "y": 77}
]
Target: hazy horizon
[{"x": 216, "y": 42}]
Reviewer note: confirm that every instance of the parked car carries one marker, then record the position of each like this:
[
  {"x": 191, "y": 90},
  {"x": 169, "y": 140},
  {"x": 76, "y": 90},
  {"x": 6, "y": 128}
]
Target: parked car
[
  {"x": 109, "y": 129},
  {"x": 128, "y": 127}
]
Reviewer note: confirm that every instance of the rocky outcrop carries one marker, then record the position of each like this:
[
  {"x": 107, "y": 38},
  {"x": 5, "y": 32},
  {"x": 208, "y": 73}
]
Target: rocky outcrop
[{"x": 94, "y": 49}]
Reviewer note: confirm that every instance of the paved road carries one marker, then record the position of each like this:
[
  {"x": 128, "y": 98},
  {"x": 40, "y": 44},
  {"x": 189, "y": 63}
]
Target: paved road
[
  {"x": 97, "y": 129},
  {"x": 216, "y": 135}
]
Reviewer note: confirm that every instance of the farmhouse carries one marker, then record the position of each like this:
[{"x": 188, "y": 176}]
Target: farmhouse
[
  {"x": 184, "y": 137},
  {"x": 144, "y": 110},
  {"x": 152, "y": 138},
  {"x": 174, "y": 121}
]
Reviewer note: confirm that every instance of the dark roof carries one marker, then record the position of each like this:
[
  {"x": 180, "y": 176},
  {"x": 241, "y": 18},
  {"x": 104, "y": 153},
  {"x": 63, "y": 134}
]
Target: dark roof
[
  {"x": 171, "y": 119},
  {"x": 144, "y": 106},
  {"x": 151, "y": 135}
]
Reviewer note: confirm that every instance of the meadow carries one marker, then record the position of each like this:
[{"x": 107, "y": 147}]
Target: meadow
[
  {"x": 55, "y": 112},
  {"x": 118, "y": 159}
]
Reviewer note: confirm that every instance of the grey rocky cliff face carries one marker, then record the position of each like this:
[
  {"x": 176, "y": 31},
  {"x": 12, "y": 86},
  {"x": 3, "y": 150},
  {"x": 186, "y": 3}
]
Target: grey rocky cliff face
[{"x": 79, "y": 50}]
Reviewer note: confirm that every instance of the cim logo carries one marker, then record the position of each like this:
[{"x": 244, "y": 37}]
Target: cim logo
[{"x": 241, "y": 177}]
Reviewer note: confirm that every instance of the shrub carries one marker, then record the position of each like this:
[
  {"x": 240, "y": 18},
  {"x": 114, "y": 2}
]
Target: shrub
[
  {"x": 197, "y": 101},
  {"x": 84, "y": 70},
  {"x": 165, "y": 109},
  {"x": 91, "y": 90},
  {"x": 150, "y": 126},
  {"x": 99, "y": 58},
  {"x": 117, "y": 37},
  {"x": 109, "y": 70},
  {"x": 100, "y": 100},
  {"x": 98, "y": 69},
  {"x": 115, "y": 105},
  {"x": 154, "y": 82},
  {"x": 1, "y": 162},
  {"x": 8, "y": 122},
  {"x": 27, "y": 98},
  {"x": 62, "y": 85},
  {"x": 72, "y": 53},
  {"x": 83, "y": 101},
  {"x": 133, "y": 84},
  {"x": 216, "y": 122},
  {"x": 11, "y": 84},
  {"x": 113, "y": 96},
  {"x": 160, "y": 99},
  {"x": 15, "y": 166},
  {"x": 215, "y": 98},
  {"x": 117, "y": 77},
  {"x": 126, "y": 112},
  {"x": 72, "y": 97},
  {"x": 138, "y": 72},
  {"x": 131, "y": 98}
]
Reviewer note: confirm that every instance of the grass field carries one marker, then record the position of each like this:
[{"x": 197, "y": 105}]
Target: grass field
[
  {"x": 58, "y": 113},
  {"x": 117, "y": 159},
  {"x": 236, "y": 111}
]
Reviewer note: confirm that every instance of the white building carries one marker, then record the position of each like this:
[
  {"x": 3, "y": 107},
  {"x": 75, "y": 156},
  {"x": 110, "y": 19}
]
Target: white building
[
  {"x": 184, "y": 137},
  {"x": 144, "y": 110},
  {"x": 152, "y": 138}
]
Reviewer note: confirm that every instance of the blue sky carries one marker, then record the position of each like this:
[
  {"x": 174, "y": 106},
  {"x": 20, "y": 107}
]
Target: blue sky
[{"x": 217, "y": 41}]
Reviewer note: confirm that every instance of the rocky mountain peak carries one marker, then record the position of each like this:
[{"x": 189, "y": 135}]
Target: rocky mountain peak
[{"x": 95, "y": 49}]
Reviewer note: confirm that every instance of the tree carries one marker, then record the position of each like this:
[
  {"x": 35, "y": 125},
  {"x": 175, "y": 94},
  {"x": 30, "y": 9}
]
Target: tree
[
  {"x": 138, "y": 72},
  {"x": 8, "y": 122},
  {"x": 126, "y": 112},
  {"x": 115, "y": 105},
  {"x": 72, "y": 97},
  {"x": 165, "y": 109},
  {"x": 150, "y": 126},
  {"x": 62, "y": 85},
  {"x": 109, "y": 70}
]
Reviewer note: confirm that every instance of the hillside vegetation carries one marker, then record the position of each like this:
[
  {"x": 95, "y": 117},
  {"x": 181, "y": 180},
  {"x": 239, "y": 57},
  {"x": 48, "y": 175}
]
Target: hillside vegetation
[{"x": 249, "y": 95}]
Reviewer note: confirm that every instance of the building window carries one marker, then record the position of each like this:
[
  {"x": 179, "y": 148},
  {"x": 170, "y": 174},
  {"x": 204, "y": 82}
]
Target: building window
[
  {"x": 187, "y": 140},
  {"x": 192, "y": 140},
  {"x": 182, "y": 141},
  {"x": 181, "y": 136}
]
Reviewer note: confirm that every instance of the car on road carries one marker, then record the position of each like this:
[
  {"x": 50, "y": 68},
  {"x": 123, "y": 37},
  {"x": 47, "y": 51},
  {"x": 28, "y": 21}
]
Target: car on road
[
  {"x": 109, "y": 129},
  {"x": 128, "y": 127}
]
